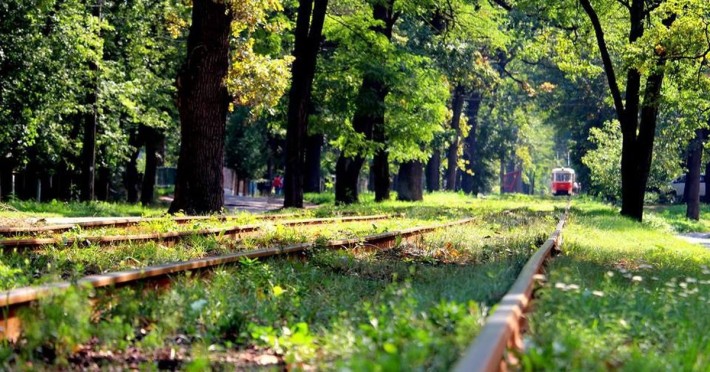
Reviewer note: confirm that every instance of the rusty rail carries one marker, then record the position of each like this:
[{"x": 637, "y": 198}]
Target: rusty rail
[
  {"x": 12, "y": 300},
  {"x": 125, "y": 222},
  {"x": 503, "y": 329},
  {"x": 235, "y": 232}
]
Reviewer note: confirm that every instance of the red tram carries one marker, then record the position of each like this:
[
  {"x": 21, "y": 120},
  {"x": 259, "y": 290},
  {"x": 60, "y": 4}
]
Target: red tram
[{"x": 563, "y": 181}]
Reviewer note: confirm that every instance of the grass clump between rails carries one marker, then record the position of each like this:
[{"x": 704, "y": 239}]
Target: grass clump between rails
[
  {"x": 622, "y": 296},
  {"x": 415, "y": 306},
  {"x": 445, "y": 205},
  {"x": 51, "y": 263}
]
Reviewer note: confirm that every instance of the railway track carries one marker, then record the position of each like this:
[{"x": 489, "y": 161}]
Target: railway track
[
  {"x": 14, "y": 300},
  {"x": 504, "y": 328},
  {"x": 9, "y": 244},
  {"x": 121, "y": 222}
]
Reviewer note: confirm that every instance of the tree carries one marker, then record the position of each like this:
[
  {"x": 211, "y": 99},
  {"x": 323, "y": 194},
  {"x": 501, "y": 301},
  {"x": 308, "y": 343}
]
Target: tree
[
  {"x": 203, "y": 102},
  {"x": 308, "y": 38},
  {"x": 369, "y": 118},
  {"x": 205, "y": 83},
  {"x": 637, "y": 118},
  {"x": 652, "y": 40}
]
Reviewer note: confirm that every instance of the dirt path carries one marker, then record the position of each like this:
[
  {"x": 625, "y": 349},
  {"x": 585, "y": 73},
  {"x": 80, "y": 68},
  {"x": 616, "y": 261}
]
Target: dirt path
[{"x": 697, "y": 238}]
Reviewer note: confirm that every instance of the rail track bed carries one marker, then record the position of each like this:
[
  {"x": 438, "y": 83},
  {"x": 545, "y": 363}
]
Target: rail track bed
[
  {"x": 360, "y": 304},
  {"x": 118, "y": 236},
  {"x": 48, "y": 263}
]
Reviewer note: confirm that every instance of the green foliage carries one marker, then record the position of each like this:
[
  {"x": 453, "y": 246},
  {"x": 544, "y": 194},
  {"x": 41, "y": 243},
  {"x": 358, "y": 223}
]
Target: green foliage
[
  {"x": 604, "y": 162},
  {"x": 415, "y": 105},
  {"x": 244, "y": 147},
  {"x": 624, "y": 295},
  {"x": 605, "y": 168},
  {"x": 57, "y": 325},
  {"x": 55, "y": 52}
]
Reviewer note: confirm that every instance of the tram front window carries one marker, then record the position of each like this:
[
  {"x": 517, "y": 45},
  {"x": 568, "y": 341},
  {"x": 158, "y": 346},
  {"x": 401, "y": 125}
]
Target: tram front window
[{"x": 563, "y": 177}]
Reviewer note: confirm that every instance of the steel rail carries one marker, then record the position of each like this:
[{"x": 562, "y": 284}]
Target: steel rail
[
  {"x": 503, "y": 329},
  {"x": 9, "y": 244},
  {"x": 12, "y": 300},
  {"x": 125, "y": 222}
]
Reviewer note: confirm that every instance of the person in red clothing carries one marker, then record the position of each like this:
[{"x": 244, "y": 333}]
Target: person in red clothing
[{"x": 278, "y": 184}]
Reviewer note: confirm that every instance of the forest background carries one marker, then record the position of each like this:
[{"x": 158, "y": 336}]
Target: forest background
[{"x": 406, "y": 94}]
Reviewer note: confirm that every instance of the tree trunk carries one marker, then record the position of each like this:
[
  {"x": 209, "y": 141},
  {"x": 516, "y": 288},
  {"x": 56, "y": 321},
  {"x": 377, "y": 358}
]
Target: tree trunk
[
  {"x": 307, "y": 43},
  {"x": 202, "y": 102},
  {"x": 347, "y": 171},
  {"x": 468, "y": 184},
  {"x": 692, "y": 180},
  {"x": 453, "y": 152},
  {"x": 5, "y": 180},
  {"x": 131, "y": 178},
  {"x": 103, "y": 184},
  {"x": 637, "y": 151},
  {"x": 88, "y": 150},
  {"x": 314, "y": 147},
  {"x": 409, "y": 181},
  {"x": 154, "y": 142},
  {"x": 432, "y": 172},
  {"x": 380, "y": 166},
  {"x": 706, "y": 198}
]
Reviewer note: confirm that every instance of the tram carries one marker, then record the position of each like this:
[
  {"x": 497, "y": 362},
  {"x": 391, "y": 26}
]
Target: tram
[{"x": 563, "y": 182}]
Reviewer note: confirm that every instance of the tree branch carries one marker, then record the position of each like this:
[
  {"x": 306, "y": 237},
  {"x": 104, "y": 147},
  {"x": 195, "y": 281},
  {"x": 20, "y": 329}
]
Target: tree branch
[
  {"x": 503, "y": 4},
  {"x": 625, "y": 3},
  {"x": 606, "y": 58}
]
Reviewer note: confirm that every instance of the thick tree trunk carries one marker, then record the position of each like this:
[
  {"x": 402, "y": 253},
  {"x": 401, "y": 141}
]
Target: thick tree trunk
[
  {"x": 692, "y": 180},
  {"x": 706, "y": 197},
  {"x": 347, "y": 171},
  {"x": 103, "y": 184},
  {"x": 154, "y": 143},
  {"x": 468, "y": 184},
  {"x": 203, "y": 103},
  {"x": 453, "y": 152},
  {"x": 409, "y": 181},
  {"x": 432, "y": 172},
  {"x": 308, "y": 37},
  {"x": 637, "y": 151},
  {"x": 314, "y": 147}
]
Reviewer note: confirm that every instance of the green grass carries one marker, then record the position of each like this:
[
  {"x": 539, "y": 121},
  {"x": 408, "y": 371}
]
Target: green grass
[
  {"x": 27, "y": 209},
  {"x": 623, "y": 296},
  {"x": 413, "y": 307},
  {"x": 674, "y": 215},
  {"x": 53, "y": 263}
]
